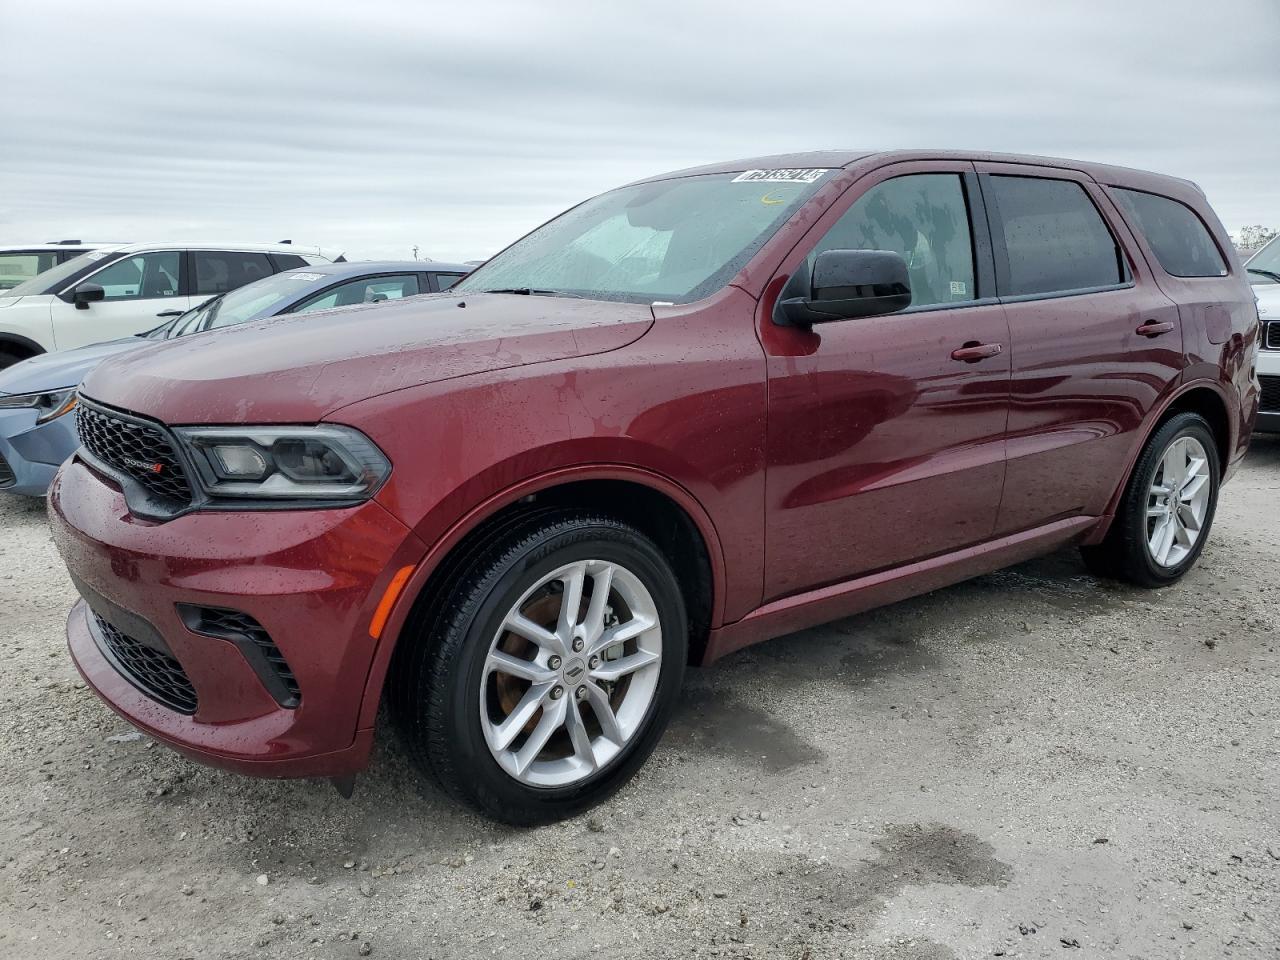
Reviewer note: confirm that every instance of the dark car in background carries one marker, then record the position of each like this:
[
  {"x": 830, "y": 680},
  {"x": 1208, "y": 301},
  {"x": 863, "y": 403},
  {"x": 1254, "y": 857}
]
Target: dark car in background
[{"x": 36, "y": 395}]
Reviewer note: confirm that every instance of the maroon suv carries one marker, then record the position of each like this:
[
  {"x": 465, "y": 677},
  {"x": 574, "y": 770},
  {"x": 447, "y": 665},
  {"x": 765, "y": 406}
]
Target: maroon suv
[{"x": 686, "y": 415}]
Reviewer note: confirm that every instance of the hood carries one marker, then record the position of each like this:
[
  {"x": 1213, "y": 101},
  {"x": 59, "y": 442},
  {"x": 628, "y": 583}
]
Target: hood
[
  {"x": 1268, "y": 295},
  {"x": 299, "y": 367},
  {"x": 54, "y": 371}
]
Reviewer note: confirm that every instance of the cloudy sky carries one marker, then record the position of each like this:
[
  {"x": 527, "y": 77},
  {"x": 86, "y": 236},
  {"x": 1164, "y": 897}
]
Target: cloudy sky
[{"x": 374, "y": 126}]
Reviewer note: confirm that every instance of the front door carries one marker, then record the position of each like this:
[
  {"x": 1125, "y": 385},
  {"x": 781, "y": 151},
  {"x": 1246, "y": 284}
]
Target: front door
[
  {"x": 141, "y": 292},
  {"x": 886, "y": 434}
]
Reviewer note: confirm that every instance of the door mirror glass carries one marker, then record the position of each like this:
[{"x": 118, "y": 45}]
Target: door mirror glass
[
  {"x": 87, "y": 293},
  {"x": 846, "y": 284}
]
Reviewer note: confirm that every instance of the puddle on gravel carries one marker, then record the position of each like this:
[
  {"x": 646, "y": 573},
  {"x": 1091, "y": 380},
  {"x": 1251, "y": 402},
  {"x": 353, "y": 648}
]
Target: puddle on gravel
[
  {"x": 709, "y": 722},
  {"x": 911, "y": 854}
]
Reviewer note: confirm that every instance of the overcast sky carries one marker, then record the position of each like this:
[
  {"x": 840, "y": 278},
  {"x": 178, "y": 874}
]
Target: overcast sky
[{"x": 370, "y": 127}]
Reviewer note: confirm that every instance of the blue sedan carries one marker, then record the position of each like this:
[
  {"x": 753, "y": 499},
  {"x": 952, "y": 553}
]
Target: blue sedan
[{"x": 36, "y": 395}]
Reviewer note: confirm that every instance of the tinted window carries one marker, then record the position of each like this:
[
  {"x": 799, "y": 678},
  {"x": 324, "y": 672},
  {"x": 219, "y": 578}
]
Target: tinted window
[
  {"x": 368, "y": 290},
  {"x": 16, "y": 268},
  {"x": 287, "y": 261},
  {"x": 219, "y": 271},
  {"x": 1055, "y": 237},
  {"x": 1175, "y": 234},
  {"x": 144, "y": 276},
  {"x": 925, "y": 218},
  {"x": 446, "y": 280}
]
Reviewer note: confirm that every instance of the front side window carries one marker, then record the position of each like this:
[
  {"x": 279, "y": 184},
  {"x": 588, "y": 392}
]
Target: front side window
[
  {"x": 676, "y": 240},
  {"x": 923, "y": 217},
  {"x": 1175, "y": 234},
  {"x": 446, "y": 280},
  {"x": 144, "y": 276},
  {"x": 1056, "y": 240},
  {"x": 218, "y": 271},
  {"x": 368, "y": 290},
  {"x": 16, "y": 268}
]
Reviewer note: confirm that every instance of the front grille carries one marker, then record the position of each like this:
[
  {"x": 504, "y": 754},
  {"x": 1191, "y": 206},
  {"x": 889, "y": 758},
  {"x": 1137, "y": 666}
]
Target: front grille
[
  {"x": 136, "y": 448},
  {"x": 7, "y": 479},
  {"x": 1272, "y": 339},
  {"x": 1270, "y": 394},
  {"x": 156, "y": 674},
  {"x": 255, "y": 644}
]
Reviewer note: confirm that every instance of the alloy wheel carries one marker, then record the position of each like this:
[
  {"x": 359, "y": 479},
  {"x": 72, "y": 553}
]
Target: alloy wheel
[
  {"x": 1178, "y": 502},
  {"x": 571, "y": 673}
]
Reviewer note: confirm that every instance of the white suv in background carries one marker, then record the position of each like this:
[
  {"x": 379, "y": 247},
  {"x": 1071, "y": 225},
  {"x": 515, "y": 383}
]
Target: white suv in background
[
  {"x": 1264, "y": 273},
  {"x": 20, "y": 262},
  {"x": 123, "y": 289}
]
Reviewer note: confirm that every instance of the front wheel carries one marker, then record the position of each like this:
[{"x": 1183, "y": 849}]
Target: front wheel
[
  {"x": 548, "y": 668},
  {"x": 1164, "y": 517}
]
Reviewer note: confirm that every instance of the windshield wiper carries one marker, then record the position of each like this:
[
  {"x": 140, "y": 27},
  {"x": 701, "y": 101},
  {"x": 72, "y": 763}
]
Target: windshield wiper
[
  {"x": 1269, "y": 274},
  {"x": 535, "y": 292}
]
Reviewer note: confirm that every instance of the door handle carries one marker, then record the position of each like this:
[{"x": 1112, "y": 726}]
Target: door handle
[
  {"x": 973, "y": 351},
  {"x": 1153, "y": 329},
  {"x": 170, "y": 313}
]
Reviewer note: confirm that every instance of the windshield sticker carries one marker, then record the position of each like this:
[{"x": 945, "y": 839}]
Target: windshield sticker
[
  {"x": 98, "y": 254},
  {"x": 959, "y": 288},
  {"x": 781, "y": 176},
  {"x": 309, "y": 277}
]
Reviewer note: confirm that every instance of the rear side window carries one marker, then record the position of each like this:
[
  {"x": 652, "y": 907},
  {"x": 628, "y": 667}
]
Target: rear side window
[
  {"x": 218, "y": 271},
  {"x": 1056, "y": 239},
  {"x": 1176, "y": 235},
  {"x": 287, "y": 261}
]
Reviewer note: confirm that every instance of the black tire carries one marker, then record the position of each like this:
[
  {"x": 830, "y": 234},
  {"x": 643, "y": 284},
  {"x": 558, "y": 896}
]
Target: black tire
[
  {"x": 8, "y": 358},
  {"x": 1124, "y": 554},
  {"x": 436, "y": 679}
]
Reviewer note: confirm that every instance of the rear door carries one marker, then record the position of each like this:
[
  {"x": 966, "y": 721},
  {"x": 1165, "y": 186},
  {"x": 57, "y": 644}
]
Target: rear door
[
  {"x": 1094, "y": 340},
  {"x": 885, "y": 444},
  {"x": 142, "y": 290}
]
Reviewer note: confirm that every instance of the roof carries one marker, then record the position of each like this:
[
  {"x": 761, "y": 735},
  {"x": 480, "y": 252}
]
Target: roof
[
  {"x": 54, "y": 247},
  {"x": 356, "y": 268},
  {"x": 831, "y": 159}
]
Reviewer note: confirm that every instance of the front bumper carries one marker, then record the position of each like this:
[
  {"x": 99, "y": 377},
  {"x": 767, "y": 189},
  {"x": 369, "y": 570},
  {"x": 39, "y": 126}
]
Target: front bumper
[
  {"x": 312, "y": 579},
  {"x": 32, "y": 453}
]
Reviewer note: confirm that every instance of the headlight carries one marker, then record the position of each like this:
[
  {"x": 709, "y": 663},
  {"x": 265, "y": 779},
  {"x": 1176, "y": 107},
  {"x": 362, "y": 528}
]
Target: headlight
[
  {"x": 48, "y": 406},
  {"x": 286, "y": 463}
]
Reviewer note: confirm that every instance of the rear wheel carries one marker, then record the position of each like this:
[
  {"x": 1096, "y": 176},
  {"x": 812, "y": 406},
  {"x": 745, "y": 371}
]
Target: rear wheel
[
  {"x": 1167, "y": 509},
  {"x": 548, "y": 669}
]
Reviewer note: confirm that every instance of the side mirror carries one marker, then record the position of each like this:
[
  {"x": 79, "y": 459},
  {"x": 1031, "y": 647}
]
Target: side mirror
[
  {"x": 845, "y": 284},
  {"x": 87, "y": 293}
]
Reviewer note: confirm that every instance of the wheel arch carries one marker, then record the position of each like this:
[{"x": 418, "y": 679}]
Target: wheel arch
[
  {"x": 14, "y": 342},
  {"x": 658, "y": 506},
  {"x": 1203, "y": 397}
]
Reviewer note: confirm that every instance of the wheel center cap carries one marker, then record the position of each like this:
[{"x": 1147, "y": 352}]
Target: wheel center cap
[{"x": 574, "y": 670}]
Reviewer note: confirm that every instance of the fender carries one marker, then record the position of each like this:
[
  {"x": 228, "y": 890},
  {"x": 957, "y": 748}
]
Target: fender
[
  {"x": 1157, "y": 412},
  {"x": 430, "y": 561}
]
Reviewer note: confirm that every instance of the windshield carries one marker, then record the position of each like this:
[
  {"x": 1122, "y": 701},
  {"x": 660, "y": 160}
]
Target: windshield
[
  {"x": 1268, "y": 260},
  {"x": 262, "y": 298},
  {"x": 670, "y": 240},
  {"x": 52, "y": 280}
]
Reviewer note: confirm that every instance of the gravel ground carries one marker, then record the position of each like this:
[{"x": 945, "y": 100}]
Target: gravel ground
[{"x": 1028, "y": 763}]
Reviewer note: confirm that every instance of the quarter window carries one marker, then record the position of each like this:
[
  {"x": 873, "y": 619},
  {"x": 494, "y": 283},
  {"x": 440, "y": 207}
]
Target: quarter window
[
  {"x": 369, "y": 290},
  {"x": 146, "y": 276},
  {"x": 925, "y": 218},
  {"x": 1055, "y": 238},
  {"x": 1175, "y": 234},
  {"x": 16, "y": 268},
  {"x": 218, "y": 271}
]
